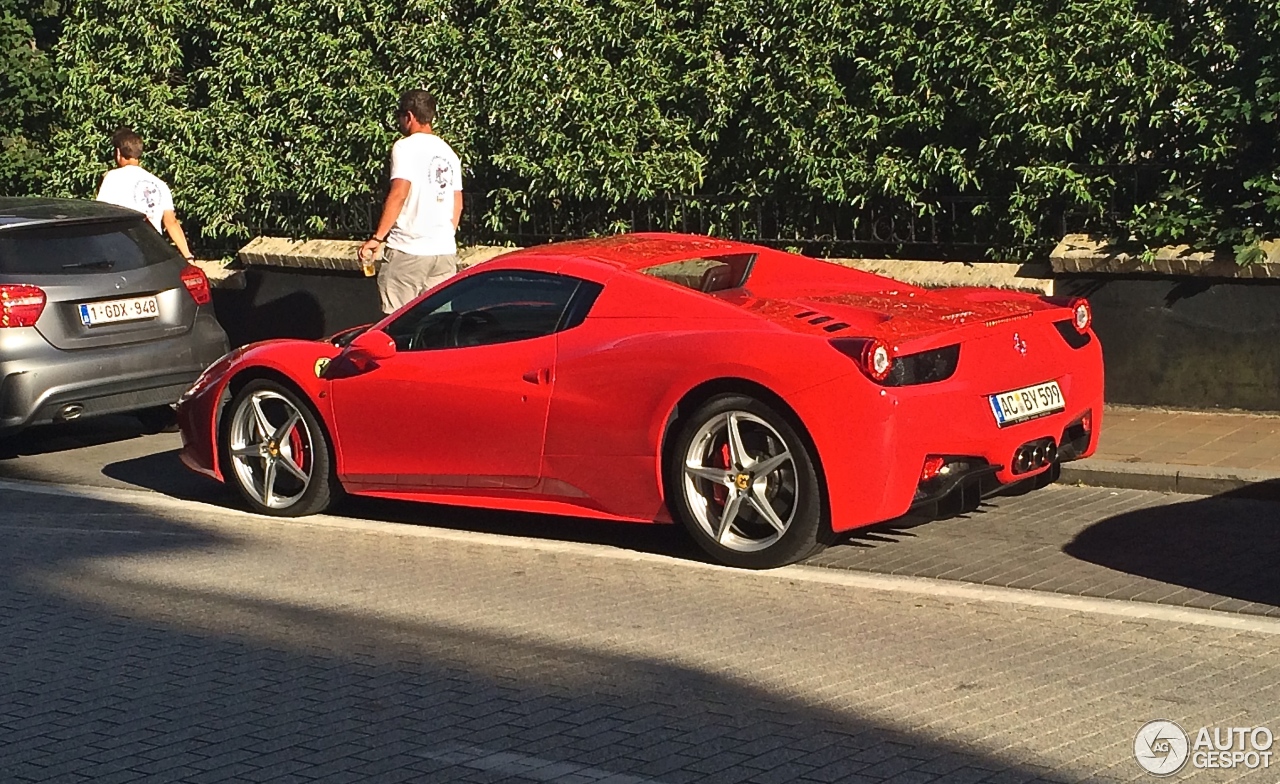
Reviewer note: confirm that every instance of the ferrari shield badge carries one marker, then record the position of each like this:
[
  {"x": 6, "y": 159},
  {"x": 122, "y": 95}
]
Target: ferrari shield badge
[{"x": 322, "y": 364}]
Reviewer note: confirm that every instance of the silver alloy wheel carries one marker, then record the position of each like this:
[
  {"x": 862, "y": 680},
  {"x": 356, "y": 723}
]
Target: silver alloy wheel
[
  {"x": 740, "y": 481},
  {"x": 271, "y": 449}
]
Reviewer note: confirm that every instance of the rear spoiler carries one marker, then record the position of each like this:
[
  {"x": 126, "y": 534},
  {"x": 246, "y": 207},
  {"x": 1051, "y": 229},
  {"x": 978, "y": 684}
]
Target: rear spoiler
[{"x": 12, "y": 223}]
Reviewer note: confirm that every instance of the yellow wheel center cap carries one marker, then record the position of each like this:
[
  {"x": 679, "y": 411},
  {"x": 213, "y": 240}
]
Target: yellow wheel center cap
[
  {"x": 742, "y": 481},
  {"x": 273, "y": 449}
]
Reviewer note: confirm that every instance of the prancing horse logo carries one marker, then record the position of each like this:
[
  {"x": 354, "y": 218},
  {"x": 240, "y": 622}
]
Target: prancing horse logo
[
  {"x": 742, "y": 481},
  {"x": 1019, "y": 345}
]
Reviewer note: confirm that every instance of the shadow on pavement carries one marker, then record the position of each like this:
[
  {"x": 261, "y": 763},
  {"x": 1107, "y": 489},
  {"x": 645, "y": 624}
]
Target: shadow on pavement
[
  {"x": 164, "y": 473},
  {"x": 51, "y": 439},
  {"x": 1226, "y": 544},
  {"x": 148, "y": 647}
]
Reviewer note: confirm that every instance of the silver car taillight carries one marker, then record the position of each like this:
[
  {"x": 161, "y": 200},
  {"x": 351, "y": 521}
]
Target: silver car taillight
[
  {"x": 20, "y": 305},
  {"x": 197, "y": 284}
]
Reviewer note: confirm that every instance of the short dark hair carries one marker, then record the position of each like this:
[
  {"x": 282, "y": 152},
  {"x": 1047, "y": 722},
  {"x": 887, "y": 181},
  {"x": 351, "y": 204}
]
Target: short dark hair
[
  {"x": 420, "y": 103},
  {"x": 127, "y": 143}
]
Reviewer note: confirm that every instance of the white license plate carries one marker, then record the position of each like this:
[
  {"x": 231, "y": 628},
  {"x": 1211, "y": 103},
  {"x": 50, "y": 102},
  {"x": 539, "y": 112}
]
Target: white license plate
[
  {"x": 135, "y": 309},
  {"x": 1020, "y": 405}
]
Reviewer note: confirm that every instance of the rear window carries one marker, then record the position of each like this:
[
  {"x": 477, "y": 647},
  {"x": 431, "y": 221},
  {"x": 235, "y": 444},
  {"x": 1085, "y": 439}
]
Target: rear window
[
  {"x": 117, "y": 246},
  {"x": 710, "y": 274}
]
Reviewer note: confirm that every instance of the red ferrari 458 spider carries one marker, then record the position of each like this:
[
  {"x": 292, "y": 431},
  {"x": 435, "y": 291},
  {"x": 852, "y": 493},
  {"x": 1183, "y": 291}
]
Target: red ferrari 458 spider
[{"x": 766, "y": 400}]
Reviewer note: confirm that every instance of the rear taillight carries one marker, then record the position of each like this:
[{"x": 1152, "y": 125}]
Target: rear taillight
[
  {"x": 1081, "y": 315},
  {"x": 20, "y": 306},
  {"x": 874, "y": 357},
  {"x": 933, "y": 466},
  {"x": 197, "y": 284}
]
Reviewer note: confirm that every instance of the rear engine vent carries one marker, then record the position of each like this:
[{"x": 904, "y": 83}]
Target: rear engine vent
[
  {"x": 1068, "y": 332},
  {"x": 820, "y": 320},
  {"x": 927, "y": 367},
  {"x": 806, "y": 314},
  {"x": 836, "y": 327}
]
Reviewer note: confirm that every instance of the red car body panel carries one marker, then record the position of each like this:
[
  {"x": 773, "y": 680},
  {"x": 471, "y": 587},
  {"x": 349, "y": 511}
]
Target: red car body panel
[{"x": 575, "y": 422}]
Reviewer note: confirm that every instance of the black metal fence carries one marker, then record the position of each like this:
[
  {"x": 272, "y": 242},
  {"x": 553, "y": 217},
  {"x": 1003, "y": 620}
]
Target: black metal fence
[{"x": 954, "y": 227}]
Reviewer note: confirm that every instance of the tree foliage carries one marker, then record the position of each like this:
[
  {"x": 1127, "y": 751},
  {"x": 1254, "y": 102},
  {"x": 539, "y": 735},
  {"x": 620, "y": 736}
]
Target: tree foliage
[
  {"x": 1151, "y": 118},
  {"x": 27, "y": 85}
]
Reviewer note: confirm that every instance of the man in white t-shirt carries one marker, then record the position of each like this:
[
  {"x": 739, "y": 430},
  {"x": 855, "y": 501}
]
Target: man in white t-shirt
[
  {"x": 130, "y": 185},
  {"x": 420, "y": 216}
]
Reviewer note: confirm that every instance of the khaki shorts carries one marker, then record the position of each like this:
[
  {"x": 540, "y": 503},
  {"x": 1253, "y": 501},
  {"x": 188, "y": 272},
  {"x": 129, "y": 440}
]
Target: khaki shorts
[{"x": 402, "y": 277}]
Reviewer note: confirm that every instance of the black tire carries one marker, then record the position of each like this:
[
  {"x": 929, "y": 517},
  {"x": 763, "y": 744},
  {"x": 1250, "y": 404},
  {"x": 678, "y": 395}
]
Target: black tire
[
  {"x": 160, "y": 419},
  {"x": 796, "y": 485},
  {"x": 320, "y": 491}
]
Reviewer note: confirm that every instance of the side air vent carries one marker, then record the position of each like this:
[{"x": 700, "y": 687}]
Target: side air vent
[
  {"x": 820, "y": 320},
  {"x": 836, "y": 327},
  {"x": 806, "y": 314}
]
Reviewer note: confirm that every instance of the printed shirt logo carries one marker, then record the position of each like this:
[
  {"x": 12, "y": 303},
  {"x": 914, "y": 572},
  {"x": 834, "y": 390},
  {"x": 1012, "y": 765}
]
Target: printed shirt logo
[
  {"x": 147, "y": 196},
  {"x": 441, "y": 175}
]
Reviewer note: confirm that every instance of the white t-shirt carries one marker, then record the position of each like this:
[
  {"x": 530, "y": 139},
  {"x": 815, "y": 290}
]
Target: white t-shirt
[
  {"x": 425, "y": 225},
  {"x": 138, "y": 189}
]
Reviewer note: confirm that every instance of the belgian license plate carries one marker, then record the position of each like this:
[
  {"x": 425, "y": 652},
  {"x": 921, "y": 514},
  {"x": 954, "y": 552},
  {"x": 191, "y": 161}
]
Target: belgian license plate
[
  {"x": 135, "y": 309},
  {"x": 1020, "y": 405}
]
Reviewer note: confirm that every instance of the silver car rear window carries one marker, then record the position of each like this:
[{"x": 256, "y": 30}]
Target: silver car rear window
[{"x": 69, "y": 249}]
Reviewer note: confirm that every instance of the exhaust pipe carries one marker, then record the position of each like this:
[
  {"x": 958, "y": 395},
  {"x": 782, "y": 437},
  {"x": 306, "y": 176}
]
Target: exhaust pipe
[
  {"x": 1033, "y": 455},
  {"x": 69, "y": 412}
]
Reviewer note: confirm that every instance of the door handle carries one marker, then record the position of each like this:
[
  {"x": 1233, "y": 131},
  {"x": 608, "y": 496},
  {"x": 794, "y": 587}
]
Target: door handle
[{"x": 539, "y": 376}]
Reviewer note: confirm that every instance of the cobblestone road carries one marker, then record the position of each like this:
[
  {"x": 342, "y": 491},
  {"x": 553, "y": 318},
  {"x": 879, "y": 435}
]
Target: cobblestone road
[{"x": 148, "y": 639}]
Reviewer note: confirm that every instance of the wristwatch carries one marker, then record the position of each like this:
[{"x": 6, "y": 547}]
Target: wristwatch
[{"x": 378, "y": 239}]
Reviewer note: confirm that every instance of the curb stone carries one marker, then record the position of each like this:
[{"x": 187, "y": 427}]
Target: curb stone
[{"x": 1173, "y": 478}]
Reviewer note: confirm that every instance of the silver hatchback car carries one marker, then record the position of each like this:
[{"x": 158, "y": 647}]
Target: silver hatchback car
[{"x": 98, "y": 315}]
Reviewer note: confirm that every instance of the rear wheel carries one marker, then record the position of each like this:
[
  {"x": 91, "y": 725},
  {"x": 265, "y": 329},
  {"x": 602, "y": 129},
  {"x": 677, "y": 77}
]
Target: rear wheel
[
  {"x": 276, "y": 452},
  {"x": 743, "y": 481}
]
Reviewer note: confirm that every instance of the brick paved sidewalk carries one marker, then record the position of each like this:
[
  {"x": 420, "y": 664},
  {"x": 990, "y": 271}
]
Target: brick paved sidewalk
[
  {"x": 1192, "y": 438},
  {"x": 1199, "y": 452}
]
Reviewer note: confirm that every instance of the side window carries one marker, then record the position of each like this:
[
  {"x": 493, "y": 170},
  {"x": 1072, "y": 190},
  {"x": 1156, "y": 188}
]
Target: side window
[
  {"x": 494, "y": 307},
  {"x": 709, "y": 275}
]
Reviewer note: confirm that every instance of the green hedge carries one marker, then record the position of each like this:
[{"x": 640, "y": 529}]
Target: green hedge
[
  {"x": 28, "y": 83},
  {"x": 275, "y": 112}
]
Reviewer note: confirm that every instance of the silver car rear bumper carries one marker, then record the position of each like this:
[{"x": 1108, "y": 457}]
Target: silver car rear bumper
[{"x": 40, "y": 384}]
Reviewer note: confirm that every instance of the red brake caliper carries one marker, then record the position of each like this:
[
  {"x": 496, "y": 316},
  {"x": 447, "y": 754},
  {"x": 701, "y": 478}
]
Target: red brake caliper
[
  {"x": 720, "y": 492},
  {"x": 299, "y": 456}
]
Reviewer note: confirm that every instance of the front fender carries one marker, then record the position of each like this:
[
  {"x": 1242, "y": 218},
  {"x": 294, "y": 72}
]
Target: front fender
[{"x": 199, "y": 409}]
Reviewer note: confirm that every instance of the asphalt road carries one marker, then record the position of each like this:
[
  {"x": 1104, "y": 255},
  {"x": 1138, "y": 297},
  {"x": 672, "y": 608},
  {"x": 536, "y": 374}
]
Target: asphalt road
[{"x": 1180, "y": 550}]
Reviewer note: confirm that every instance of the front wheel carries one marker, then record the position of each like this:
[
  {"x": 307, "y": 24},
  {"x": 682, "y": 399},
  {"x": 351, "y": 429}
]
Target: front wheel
[
  {"x": 276, "y": 452},
  {"x": 743, "y": 481}
]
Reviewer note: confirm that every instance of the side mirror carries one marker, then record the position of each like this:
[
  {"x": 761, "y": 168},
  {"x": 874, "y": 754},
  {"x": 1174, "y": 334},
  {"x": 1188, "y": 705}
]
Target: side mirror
[{"x": 373, "y": 345}]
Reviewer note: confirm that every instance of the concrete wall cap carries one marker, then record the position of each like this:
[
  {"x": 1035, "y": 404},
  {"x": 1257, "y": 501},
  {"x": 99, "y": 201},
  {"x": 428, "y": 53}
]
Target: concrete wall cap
[{"x": 1082, "y": 253}]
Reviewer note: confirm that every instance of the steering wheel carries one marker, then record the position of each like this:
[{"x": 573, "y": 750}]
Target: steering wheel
[{"x": 470, "y": 319}]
